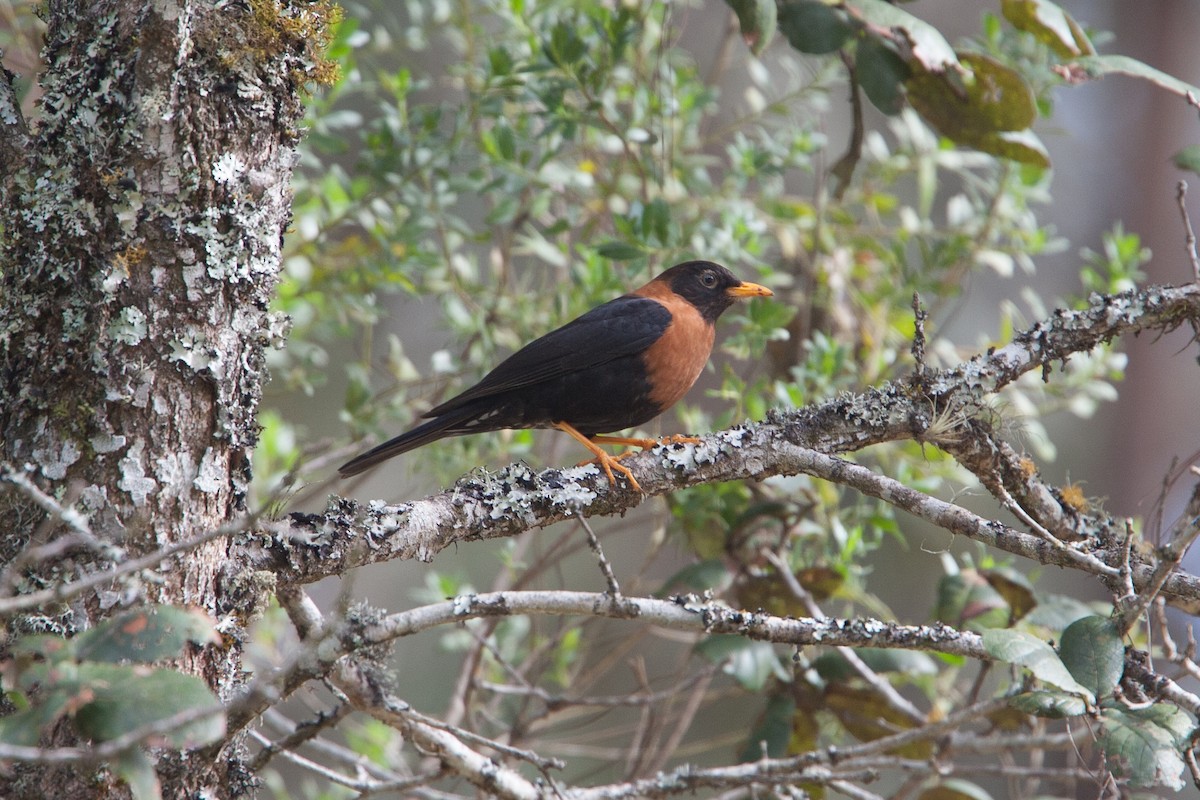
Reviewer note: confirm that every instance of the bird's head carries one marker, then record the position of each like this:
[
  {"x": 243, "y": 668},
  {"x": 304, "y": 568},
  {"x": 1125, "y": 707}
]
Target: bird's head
[{"x": 709, "y": 287}]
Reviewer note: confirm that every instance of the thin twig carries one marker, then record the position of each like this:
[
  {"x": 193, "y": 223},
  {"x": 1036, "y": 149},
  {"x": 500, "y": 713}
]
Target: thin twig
[
  {"x": 1189, "y": 233},
  {"x": 108, "y": 750},
  {"x": 25, "y": 602},
  {"x": 610, "y": 577},
  {"x": 1170, "y": 557}
]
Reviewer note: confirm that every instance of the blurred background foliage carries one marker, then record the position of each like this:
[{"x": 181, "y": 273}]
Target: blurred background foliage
[{"x": 485, "y": 171}]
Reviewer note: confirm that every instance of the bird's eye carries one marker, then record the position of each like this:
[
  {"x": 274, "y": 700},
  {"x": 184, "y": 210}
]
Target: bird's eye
[{"x": 708, "y": 279}]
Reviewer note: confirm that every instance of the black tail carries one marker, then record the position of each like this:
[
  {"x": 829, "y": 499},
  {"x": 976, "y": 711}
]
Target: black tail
[{"x": 446, "y": 425}]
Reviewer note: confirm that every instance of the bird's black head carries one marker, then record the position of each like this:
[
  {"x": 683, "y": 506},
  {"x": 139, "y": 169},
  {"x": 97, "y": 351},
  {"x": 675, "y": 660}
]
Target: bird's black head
[{"x": 709, "y": 287}]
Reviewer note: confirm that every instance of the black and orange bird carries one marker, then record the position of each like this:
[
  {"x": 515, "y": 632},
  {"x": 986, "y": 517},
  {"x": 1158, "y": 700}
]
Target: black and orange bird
[{"x": 618, "y": 366}]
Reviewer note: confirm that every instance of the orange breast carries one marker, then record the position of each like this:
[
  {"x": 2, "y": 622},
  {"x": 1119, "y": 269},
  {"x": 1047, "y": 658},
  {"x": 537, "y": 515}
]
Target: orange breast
[{"x": 675, "y": 361}]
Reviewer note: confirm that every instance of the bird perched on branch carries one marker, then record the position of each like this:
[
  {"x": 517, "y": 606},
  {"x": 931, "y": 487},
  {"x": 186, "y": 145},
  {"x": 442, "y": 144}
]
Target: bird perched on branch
[{"x": 617, "y": 366}]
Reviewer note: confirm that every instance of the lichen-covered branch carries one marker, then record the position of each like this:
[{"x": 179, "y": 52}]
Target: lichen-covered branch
[{"x": 516, "y": 498}]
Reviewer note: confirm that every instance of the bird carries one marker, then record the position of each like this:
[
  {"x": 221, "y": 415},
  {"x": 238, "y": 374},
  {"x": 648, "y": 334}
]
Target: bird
[{"x": 617, "y": 366}]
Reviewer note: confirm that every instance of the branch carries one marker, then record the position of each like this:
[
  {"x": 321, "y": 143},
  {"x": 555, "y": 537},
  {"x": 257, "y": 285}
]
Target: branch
[
  {"x": 326, "y": 644},
  {"x": 330, "y": 649},
  {"x": 307, "y": 548}
]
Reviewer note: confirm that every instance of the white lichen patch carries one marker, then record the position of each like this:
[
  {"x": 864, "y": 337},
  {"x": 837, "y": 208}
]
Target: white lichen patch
[
  {"x": 228, "y": 168},
  {"x": 210, "y": 477},
  {"x": 575, "y": 473},
  {"x": 54, "y": 464},
  {"x": 383, "y": 520},
  {"x": 134, "y": 480},
  {"x": 193, "y": 349},
  {"x": 129, "y": 326},
  {"x": 107, "y": 443},
  {"x": 573, "y": 494},
  {"x": 275, "y": 332},
  {"x": 462, "y": 604},
  {"x": 687, "y": 457},
  {"x": 175, "y": 471},
  {"x": 129, "y": 211}
]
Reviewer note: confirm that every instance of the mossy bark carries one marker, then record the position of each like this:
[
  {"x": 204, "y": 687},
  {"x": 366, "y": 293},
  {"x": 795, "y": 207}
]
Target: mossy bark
[{"x": 142, "y": 208}]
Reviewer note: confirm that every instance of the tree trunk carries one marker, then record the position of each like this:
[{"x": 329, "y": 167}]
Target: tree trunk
[{"x": 142, "y": 214}]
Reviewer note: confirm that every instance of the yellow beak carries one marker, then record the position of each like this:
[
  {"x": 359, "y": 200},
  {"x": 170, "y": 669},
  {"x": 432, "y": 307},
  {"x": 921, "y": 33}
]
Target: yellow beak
[{"x": 748, "y": 290}]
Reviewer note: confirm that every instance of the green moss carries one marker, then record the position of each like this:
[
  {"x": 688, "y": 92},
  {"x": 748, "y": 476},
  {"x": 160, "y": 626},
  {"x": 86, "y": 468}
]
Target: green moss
[{"x": 303, "y": 30}]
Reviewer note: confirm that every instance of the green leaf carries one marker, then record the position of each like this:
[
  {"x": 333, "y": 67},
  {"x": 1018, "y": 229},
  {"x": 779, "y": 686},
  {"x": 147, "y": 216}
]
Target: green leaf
[
  {"x": 1091, "y": 648},
  {"x": 929, "y": 48},
  {"x": 126, "y": 698},
  {"x": 966, "y": 600},
  {"x": 25, "y": 726},
  {"x": 993, "y": 98},
  {"x": 750, "y": 663},
  {"x": 1144, "y": 745},
  {"x": 565, "y": 47},
  {"x": 1013, "y": 586},
  {"x": 1050, "y": 25},
  {"x": 1051, "y": 705},
  {"x": 506, "y": 142},
  {"x": 45, "y": 645},
  {"x": 1026, "y": 650},
  {"x": 1056, "y": 611},
  {"x": 881, "y": 73},
  {"x": 758, "y": 20},
  {"x": 774, "y": 727},
  {"x": 718, "y": 648},
  {"x": 1099, "y": 66},
  {"x": 137, "y": 769},
  {"x": 619, "y": 251},
  {"x": 1024, "y": 147},
  {"x": 814, "y": 27},
  {"x": 1188, "y": 158},
  {"x": 656, "y": 220},
  {"x": 500, "y": 60},
  {"x": 145, "y": 634}
]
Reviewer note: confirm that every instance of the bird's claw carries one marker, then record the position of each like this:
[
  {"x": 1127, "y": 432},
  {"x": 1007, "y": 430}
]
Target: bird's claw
[{"x": 608, "y": 463}]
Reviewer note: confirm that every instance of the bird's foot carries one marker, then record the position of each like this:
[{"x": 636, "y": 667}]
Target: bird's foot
[
  {"x": 606, "y": 461},
  {"x": 610, "y": 462}
]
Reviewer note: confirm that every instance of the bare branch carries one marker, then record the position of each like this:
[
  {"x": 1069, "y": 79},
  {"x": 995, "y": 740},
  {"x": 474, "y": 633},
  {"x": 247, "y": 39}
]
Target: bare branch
[
  {"x": 1171, "y": 557},
  {"x": 1190, "y": 234}
]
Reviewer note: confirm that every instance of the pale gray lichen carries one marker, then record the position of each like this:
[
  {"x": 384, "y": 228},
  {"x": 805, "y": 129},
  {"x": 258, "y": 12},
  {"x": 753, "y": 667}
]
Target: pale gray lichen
[
  {"x": 462, "y": 604},
  {"x": 192, "y": 348},
  {"x": 174, "y": 471},
  {"x": 383, "y": 520},
  {"x": 54, "y": 464},
  {"x": 129, "y": 327},
  {"x": 134, "y": 479},
  {"x": 574, "y": 494},
  {"x": 228, "y": 168},
  {"x": 128, "y": 211}
]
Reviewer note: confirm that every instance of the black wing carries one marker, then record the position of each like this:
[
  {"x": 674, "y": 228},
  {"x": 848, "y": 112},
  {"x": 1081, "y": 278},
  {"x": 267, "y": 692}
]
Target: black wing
[{"x": 620, "y": 328}]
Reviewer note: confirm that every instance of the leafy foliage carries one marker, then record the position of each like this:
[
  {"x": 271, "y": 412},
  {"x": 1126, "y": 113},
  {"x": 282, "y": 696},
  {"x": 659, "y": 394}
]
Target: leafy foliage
[
  {"x": 556, "y": 154},
  {"x": 99, "y": 681}
]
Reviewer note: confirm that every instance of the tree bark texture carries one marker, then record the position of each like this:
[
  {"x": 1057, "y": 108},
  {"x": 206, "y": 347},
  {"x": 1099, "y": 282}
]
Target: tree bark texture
[{"x": 142, "y": 213}]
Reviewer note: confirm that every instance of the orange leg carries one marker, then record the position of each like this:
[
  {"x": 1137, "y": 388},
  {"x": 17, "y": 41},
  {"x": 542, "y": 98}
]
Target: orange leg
[
  {"x": 607, "y": 462},
  {"x": 645, "y": 444}
]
